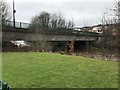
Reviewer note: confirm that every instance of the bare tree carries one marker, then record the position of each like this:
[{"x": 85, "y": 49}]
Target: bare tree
[
  {"x": 70, "y": 24},
  {"x": 53, "y": 21},
  {"x": 116, "y": 20},
  {"x": 34, "y": 23},
  {"x": 111, "y": 30},
  {"x": 46, "y": 20},
  {"x": 4, "y": 11},
  {"x": 118, "y": 27},
  {"x": 40, "y": 21},
  {"x": 57, "y": 21},
  {"x": 43, "y": 20},
  {"x": 71, "y": 46}
]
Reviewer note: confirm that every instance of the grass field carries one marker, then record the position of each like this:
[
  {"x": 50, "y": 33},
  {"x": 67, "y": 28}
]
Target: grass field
[{"x": 45, "y": 70}]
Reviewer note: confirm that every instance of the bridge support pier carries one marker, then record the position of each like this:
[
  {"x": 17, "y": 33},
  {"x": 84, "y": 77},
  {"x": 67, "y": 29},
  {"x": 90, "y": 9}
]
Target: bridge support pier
[{"x": 89, "y": 45}]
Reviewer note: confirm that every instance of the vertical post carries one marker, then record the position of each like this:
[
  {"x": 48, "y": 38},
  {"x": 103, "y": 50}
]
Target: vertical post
[
  {"x": 1, "y": 23},
  {"x": 14, "y": 11},
  {"x": 20, "y": 24},
  {"x": 66, "y": 47},
  {"x": 87, "y": 46},
  {"x": 91, "y": 47}
]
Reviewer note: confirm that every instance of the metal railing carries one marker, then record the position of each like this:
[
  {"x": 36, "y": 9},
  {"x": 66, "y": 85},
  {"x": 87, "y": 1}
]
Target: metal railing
[
  {"x": 17, "y": 24},
  {"x": 4, "y": 86}
]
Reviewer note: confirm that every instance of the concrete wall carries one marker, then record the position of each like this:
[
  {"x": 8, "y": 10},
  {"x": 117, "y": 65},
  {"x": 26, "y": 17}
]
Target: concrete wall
[{"x": 19, "y": 34}]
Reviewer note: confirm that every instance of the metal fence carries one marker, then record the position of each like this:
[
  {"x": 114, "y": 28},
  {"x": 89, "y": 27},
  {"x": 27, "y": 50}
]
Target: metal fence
[{"x": 17, "y": 24}]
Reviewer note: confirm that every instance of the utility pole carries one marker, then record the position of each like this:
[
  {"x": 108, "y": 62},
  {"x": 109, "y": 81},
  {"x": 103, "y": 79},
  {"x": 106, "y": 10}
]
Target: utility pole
[{"x": 14, "y": 11}]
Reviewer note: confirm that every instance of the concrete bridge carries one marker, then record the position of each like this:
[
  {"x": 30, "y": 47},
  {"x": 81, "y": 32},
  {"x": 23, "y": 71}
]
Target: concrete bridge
[
  {"x": 18, "y": 33},
  {"x": 23, "y": 32}
]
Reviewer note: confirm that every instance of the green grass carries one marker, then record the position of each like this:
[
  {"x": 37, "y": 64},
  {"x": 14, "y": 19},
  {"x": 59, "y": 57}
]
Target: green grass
[{"x": 45, "y": 70}]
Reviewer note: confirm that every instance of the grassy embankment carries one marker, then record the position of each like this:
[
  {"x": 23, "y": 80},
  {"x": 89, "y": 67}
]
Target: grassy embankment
[{"x": 38, "y": 70}]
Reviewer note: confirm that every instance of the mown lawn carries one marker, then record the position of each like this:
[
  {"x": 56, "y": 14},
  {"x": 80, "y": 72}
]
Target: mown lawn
[{"x": 45, "y": 70}]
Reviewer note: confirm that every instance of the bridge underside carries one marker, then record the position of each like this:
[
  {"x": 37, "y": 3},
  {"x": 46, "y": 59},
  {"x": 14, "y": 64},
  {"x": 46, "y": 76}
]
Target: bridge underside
[
  {"x": 78, "y": 46},
  {"x": 55, "y": 46}
]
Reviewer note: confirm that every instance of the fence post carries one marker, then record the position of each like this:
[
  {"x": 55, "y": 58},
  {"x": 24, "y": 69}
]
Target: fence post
[{"x": 20, "y": 24}]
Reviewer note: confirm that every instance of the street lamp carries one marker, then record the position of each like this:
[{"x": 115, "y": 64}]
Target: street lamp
[{"x": 14, "y": 11}]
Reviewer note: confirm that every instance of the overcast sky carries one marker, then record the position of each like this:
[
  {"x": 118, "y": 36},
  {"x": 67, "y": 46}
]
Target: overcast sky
[{"x": 83, "y": 12}]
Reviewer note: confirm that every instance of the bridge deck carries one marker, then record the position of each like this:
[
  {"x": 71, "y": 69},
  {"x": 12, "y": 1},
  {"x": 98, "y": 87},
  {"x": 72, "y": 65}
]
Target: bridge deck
[
  {"x": 24, "y": 32},
  {"x": 26, "y": 27}
]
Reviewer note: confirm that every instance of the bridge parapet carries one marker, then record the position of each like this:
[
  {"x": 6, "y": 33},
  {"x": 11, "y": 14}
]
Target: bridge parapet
[{"x": 25, "y": 27}]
